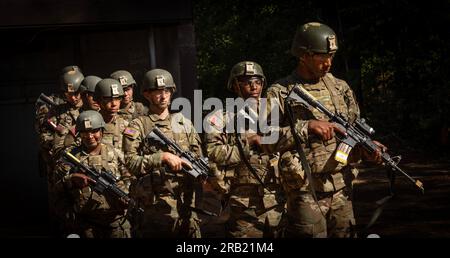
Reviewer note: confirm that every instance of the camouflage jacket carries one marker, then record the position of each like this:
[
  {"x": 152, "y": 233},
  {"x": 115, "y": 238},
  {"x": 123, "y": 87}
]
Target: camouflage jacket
[
  {"x": 91, "y": 205},
  {"x": 226, "y": 160},
  {"x": 135, "y": 110},
  {"x": 337, "y": 96},
  {"x": 63, "y": 116},
  {"x": 143, "y": 158}
]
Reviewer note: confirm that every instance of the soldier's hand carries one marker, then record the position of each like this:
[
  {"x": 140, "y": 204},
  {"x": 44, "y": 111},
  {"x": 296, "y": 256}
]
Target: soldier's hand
[
  {"x": 81, "y": 180},
  {"x": 375, "y": 157},
  {"x": 174, "y": 162},
  {"x": 324, "y": 129},
  {"x": 254, "y": 139}
]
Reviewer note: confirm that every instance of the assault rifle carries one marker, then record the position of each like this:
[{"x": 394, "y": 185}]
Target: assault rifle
[
  {"x": 44, "y": 99},
  {"x": 105, "y": 182},
  {"x": 356, "y": 133},
  {"x": 200, "y": 166}
]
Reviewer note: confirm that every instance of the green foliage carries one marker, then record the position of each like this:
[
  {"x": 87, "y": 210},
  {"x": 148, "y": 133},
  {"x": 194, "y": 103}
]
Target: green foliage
[{"x": 394, "y": 54}]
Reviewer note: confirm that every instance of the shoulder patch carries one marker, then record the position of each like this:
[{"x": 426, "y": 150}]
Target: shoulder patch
[{"x": 131, "y": 132}]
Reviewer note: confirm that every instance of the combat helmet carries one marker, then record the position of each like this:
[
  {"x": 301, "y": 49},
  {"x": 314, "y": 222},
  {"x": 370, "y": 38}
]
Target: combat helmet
[
  {"x": 71, "y": 81},
  {"x": 108, "y": 88},
  {"x": 245, "y": 68},
  {"x": 89, "y": 120},
  {"x": 124, "y": 77},
  {"x": 314, "y": 37},
  {"x": 157, "y": 79},
  {"x": 70, "y": 68},
  {"x": 89, "y": 82}
]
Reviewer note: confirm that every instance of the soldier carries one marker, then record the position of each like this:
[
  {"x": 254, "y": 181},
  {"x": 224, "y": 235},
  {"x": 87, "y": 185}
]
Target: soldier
[
  {"x": 129, "y": 109},
  {"x": 331, "y": 215},
  {"x": 87, "y": 92},
  {"x": 96, "y": 216},
  {"x": 247, "y": 173},
  {"x": 41, "y": 123},
  {"x": 59, "y": 121},
  {"x": 109, "y": 94},
  {"x": 65, "y": 115},
  {"x": 162, "y": 190}
]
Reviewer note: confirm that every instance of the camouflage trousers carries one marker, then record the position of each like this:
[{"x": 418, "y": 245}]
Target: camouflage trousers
[
  {"x": 254, "y": 213},
  {"x": 305, "y": 219},
  {"x": 161, "y": 220}
]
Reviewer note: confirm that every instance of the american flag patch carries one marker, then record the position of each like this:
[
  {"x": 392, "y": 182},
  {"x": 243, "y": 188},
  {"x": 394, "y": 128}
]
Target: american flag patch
[{"x": 130, "y": 132}]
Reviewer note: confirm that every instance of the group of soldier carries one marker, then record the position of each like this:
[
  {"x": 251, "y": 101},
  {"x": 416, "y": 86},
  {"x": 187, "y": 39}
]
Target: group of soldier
[{"x": 266, "y": 187}]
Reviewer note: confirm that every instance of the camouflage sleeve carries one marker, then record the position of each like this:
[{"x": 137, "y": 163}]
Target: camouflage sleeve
[
  {"x": 62, "y": 177},
  {"x": 136, "y": 162},
  {"x": 275, "y": 99},
  {"x": 220, "y": 148},
  {"x": 63, "y": 139},
  {"x": 41, "y": 116},
  {"x": 220, "y": 151}
]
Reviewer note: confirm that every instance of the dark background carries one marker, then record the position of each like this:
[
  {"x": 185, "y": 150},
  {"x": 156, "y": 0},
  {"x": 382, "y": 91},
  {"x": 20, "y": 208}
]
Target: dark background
[{"x": 394, "y": 54}]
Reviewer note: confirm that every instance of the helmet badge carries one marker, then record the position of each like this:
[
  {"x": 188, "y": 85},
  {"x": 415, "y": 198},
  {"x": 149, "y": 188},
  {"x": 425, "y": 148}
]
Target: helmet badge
[
  {"x": 160, "y": 81},
  {"x": 114, "y": 89},
  {"x": 87, "y": 124},
  {"x": 332, "y": 43},
  {"x": 123, "y": 80},
  {"x": 70, "y": 87},
  {"x": 249, "y": 68}
]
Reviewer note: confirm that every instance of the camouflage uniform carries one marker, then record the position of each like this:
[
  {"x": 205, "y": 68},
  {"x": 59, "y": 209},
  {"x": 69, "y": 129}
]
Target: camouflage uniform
[
  {"x": 64, "y": 116},
  {"x": 331, "y": 179},
  {"x": 254, "y": 211},
  {"x": 45, "y": 137},
  {"x": 93, "y": 215},
  {"x": 135, "y": 110},
  {"x": 165, "y": 196},
  {"x": 113, "y": 135}
]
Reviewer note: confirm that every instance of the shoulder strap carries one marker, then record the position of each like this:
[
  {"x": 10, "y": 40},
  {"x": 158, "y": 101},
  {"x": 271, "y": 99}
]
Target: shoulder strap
[
  {"x": 244, "y": 158},
  {"x": 301, "y": 152},
  {"x": 329, "y": 82}
]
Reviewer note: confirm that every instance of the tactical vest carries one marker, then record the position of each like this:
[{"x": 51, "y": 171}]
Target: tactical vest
[
  {"x": 157, "y": 179},
  {"x": 134, "y": 111},
  {"x": 87, "y": 201},
  {"x": 113, "y": 135}
]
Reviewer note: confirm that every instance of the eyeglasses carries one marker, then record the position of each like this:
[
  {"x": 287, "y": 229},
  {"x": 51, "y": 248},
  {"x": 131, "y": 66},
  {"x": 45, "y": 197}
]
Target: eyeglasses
[{"x": 250, "y": 82}]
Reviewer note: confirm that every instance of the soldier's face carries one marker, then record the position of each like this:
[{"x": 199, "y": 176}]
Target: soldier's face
[
  {"x": 74, "y": 98},
  {"x": 248, "y": 87},
  {"x": 159, "y": 99},
  {"x": 110, "y": 105},
  {"x": 318, "y": 64},
  {"x": 91, "y": 103},
  {"x": 91, "y": 139},
  {"x": 128, "y": 97}
]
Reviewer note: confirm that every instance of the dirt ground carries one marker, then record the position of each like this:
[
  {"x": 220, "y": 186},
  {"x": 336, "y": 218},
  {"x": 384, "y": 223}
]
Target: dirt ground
[{"x": 410, "y": 214}]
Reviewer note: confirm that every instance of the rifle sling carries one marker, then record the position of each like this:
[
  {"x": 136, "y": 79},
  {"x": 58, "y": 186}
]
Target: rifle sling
[
  {"x": 242, "y": 154},
  {"x": 302, "y": 155}
]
